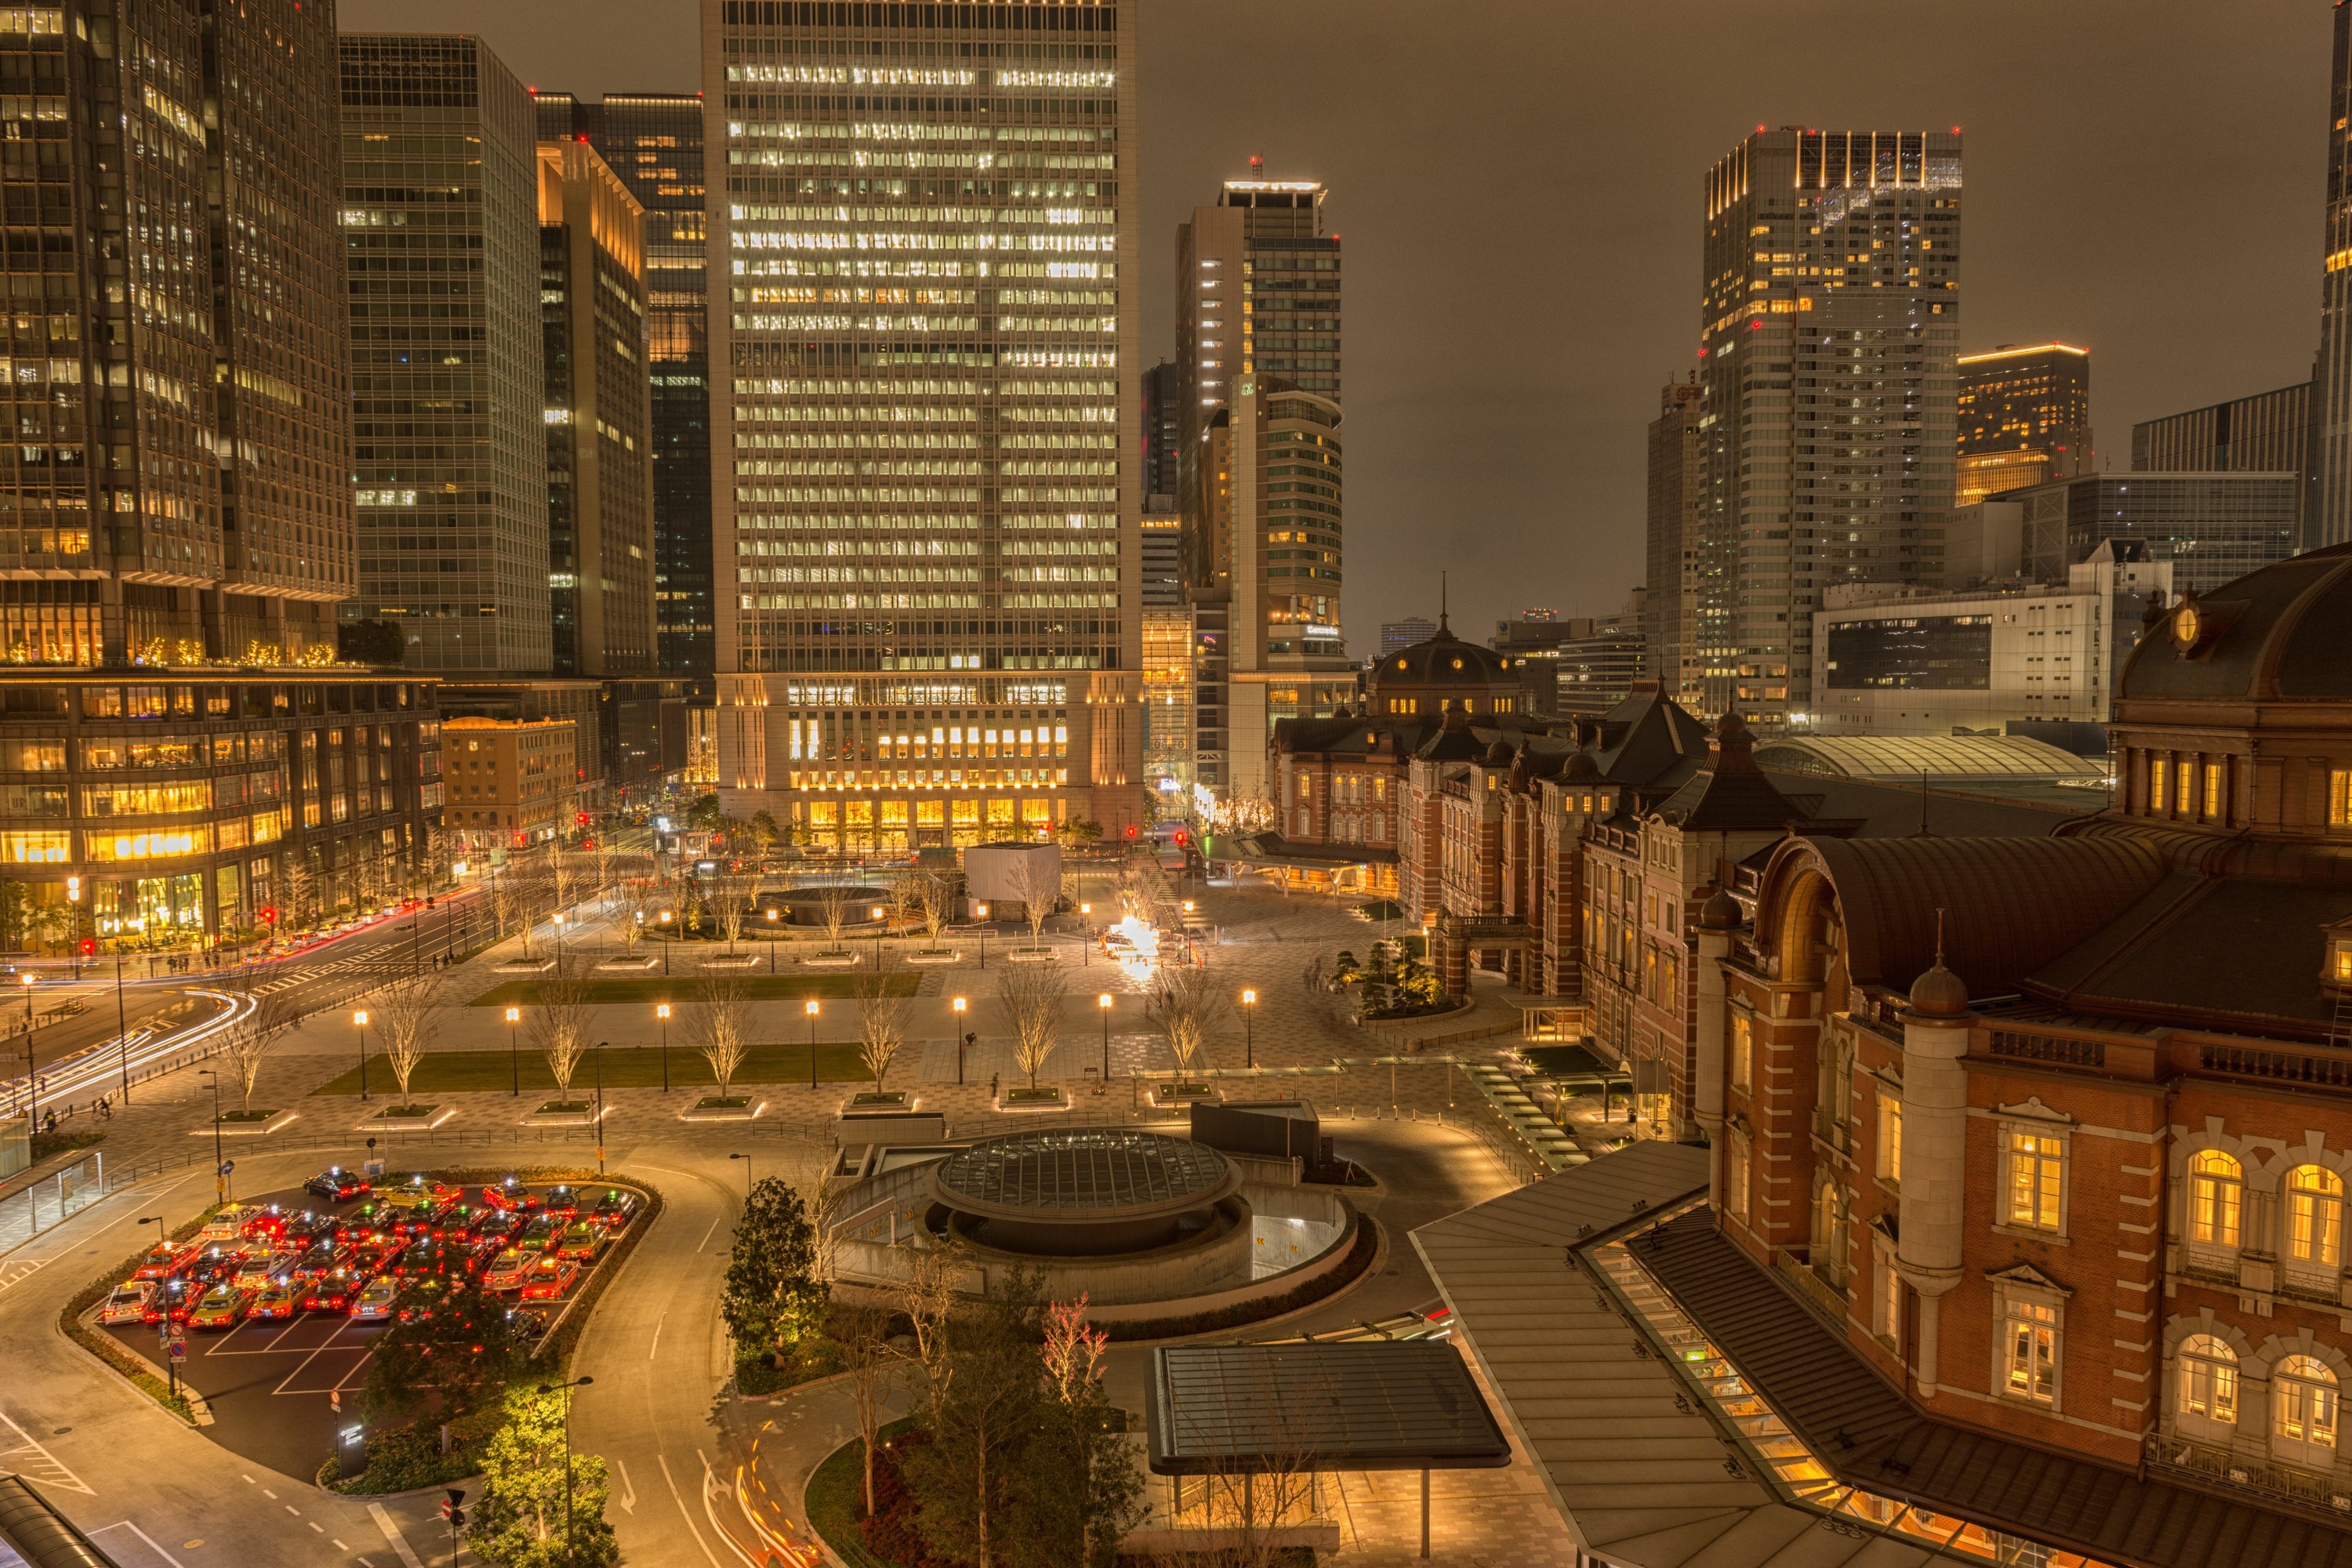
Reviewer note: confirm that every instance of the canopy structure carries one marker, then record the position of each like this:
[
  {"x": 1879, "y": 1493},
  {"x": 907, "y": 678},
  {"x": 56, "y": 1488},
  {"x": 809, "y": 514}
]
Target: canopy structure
[
  {"x": 33, "y": 1532},
  {"x": 1939, "y": 759},
  {"x": 1272, "y": 1409}
]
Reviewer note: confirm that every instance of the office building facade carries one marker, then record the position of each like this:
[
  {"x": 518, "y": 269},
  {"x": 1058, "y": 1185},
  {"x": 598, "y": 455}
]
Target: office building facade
[
  {"x": 2024, "y": 416},
  {"x": 2211, "y": 527},
  {"x": 1259, "y": 461},
  {"x": 1398, "y": 636},
  {"x": 1166, "y": 618},
  {"x": 1163, "y": 393},
  {"x": 653, "y": 141},
  {"x": 1829, "y": 330},
  {"x": 1689, "y": 632},
  {"x": 926, "y": 219},
  {"x": 440, "y": 200},
  {"x": 2328, "y": 520},
  {"x": 2268, "y": 433},
  {"x": 592, "y": 297}
]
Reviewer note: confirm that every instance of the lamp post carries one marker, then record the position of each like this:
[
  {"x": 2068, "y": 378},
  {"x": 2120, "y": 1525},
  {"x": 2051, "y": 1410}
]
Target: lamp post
[
  {"x": 514, "y": 1049},
  {"x": 220, "y": 1159},
  {"x": 171, "y": 1367},
  {"x": 880, "y": 932},
  {"x": 122, "y": 1026},
  {"x": 961, "y": 1038},
  {"x": 32, "y": 1078},
  {"x": 359, "y": 1022},
  {"x": 810, "y": 1007},
  {"x": 1087, "y": 919},
  {"x": 771, "y": 940},
  {"x": 558, "y": 918},
  {"x": 747, "y": 1175},
  {"x": 662, "y": 1014},
  {"x": 665, "y": 925},
  {"x": 600, "y": 1108},
  {"x": 1249, "y": 1026},
  {"x": 1102, "y": 1004},
  {"x": 566, "y": 1388},
  {"x": 73, "y": 937}
]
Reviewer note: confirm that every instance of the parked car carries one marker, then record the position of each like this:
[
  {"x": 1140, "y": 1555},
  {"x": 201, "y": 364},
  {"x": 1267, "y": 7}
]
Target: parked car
[
  {"x": 329, "y": 1291},
  {"x": 615, "y": 1210},
  {"x": 373, "y": 1303},
  {"x": 550, "y": 1279},
  {"x": 584, "y": 1241},
  {"x": 128, "y": 1302},
  {"x": 278, "y": 1300},
  {"x": 228, "y": 1223},
  {"x": 223, "y": 1307},
  {"x": 529, "y": 1322},
  {"x": 561, "y": 1200},
  {"x": 508, "y": 1268},
  {"x": 539, "y": 1233},
  {"x": 166, "y": 1258},
  {"x": 258, "y": 1268},
  {"x": 337, "y": 1185},
  {"x": 513, "y": 1196}
]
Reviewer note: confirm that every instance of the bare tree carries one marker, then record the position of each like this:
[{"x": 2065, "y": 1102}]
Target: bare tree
[
  {"x": 1037, "y": 882},
  {"x": 563, "y": 877},
  {"x": 299, "y": 890},
  {"x": 883, "y": 1011},
  {"x": 936, "y": 891},
  {"x": 1031, "y": 995},
  {"x": 906, "y": 895},
  {"x": 558, "y": 1024},
  {"x": 833, "y": 906},
  {"x": 718, "y": 1023},
  {"x": 729, "y": 900},
  {"x": 248, "y": 1040},
  {"x": 506, "y": 900},
  {"x": 860, "y": 1333},
  {"x": 1184, "y": 1003},
  {"x": 635, "y": 903},
  {"x": 808, "y": 1170},
  {"x": 407, "y": 1017}
]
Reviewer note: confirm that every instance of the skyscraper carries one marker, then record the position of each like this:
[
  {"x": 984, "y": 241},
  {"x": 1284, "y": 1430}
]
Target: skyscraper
[
  {"x": 1828, "y": 333},
  {"x": 1163, "y": 393},
  {"x": 1258, "y": 462},
  {"x": 928, "y": 221},
  {"x": 653, "y": 141},
  {"x": 2328, "y": 520},
  {"x": 2024, "y": 418},
  {"x": 591, "y": 297},
  {"x": 1689, "y": 613},
  {"x": 440, "y": 202},
  {"x": 176, "y": 484}
]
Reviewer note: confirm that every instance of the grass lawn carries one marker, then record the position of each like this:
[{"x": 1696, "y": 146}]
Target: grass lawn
[
  {"x": 626, "y": 1067},
  {"x": 836, "y": 1496},
  {"x": 760, "y": 985}
]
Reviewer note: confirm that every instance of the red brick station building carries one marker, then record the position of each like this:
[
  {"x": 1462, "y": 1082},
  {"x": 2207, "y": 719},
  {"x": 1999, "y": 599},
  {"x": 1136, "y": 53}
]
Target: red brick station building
[{"x": 1997, "y": 1208}]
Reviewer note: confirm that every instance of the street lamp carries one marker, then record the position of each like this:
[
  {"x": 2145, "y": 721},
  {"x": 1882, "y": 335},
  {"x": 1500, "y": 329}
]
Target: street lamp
[
  {"x": 600, "y": 1108},
  {"x": 559, "y": 936},
  {"x": 1103, "y": 1003},
  {"x": 73, "y": 940},
  {"x": 1249, "y": 1025},
  {"x": 662, "y": 1013},
  {"x": 665, "y": 924},
  {"x": 514, "y": 1048},
  {"x": 164, "y": 1328},
  {"x": 220, "y": 1160},
  {"x": 747, "y": 1175},
  {"x": 359, "y": 1022},
  {"x": 810, "y": 1007},
  {"x": 1087, "y": 919},
  {"x": 32, "y": 1078},
  {"x": 961, "y": 1038},
  {"x": 880, "y": 932},
  {"x": 771, "y": 940},
  {"x": 566, "y": 1389}
]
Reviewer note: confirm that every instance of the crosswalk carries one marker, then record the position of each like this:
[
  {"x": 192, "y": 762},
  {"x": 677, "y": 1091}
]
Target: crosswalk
[{"x": 21, "y": 1454}]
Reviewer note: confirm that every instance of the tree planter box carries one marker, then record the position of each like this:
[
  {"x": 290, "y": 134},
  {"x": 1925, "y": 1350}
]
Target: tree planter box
[
  {"x": 730, "y": 960},
  {"x": 1022, "y": 1100},
  {"x": 566, "y": 1113},
  {"x": 734, "y": 1108},
  {"x": 408, "y": 1118},
  {"x": 1032, "y": 954},
  {"x": 829, "y": 960},
  {"x": 1184, "y": 1094},
  {"x": 235, "y": 1125},
  {"x": 877, "y": 1100},
  {"x": 526, "y": 966},
  {"x": 627, "y": 965},
  {"x": 934, "y": 955}
]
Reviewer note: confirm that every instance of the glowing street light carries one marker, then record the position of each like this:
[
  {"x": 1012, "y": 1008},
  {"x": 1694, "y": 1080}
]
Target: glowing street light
[
  {"x": 514, "y": 1048},
  {"x": 662, "y": 1013},
  {"x": 1102, "y": 1004},
  {"x": 359, "y": 1022},
  {"x": 963, "y": 1039},
  {"x": 810, "y": 1007},
  {"x": 1249, "y": 1025}
]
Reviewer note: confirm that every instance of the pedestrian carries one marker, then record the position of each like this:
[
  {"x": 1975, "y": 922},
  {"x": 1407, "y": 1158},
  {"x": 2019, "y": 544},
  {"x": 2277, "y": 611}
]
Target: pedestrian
[
  {"x": 992, "y": 1082},
  {"x": 53, "y": 1121}
]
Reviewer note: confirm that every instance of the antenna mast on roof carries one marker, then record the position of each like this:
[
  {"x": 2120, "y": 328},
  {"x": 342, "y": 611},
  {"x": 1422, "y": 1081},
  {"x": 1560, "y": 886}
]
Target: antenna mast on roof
[{"x": 1440, "y": 601}]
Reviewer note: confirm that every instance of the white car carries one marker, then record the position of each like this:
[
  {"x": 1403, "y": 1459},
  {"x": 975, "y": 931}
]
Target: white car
[
  {"x": 128, "y": 1304},
  {"x": 374, "y": 1303},
  {"x": 260, "y": 1268}
]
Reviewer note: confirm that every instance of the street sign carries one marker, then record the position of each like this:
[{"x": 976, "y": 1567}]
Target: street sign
[
  {"x": 179, "y": 1350},
  {"x": 228, "y": 1167}
]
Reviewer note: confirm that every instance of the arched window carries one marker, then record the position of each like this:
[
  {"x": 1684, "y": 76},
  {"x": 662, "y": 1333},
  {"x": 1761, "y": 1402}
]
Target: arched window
[
  {"x": 1829, "y": 1238},
  {"x": 2314, "y": 1218},
  {"x": 2209, "y": 1378},
  {"x": 2216, "y": 1188},
  {"x": 2303, "y": 1405}
]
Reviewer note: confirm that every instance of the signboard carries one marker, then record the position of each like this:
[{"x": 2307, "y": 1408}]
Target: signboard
[{"x": 179, "y": 1350}]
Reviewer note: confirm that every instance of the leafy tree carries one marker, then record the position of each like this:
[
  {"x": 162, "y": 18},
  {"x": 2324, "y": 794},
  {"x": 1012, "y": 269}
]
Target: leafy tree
[
  {"x": 520, "y": 1518},
  {"x": 448, "y": 1336},
  {"x": 1076, "y": 1491},
  {"x": 984, "y": 1402},
  {"x": 764, "y": 831},
  {"x": 773, "y": 1297},
  {"x": 704, "y": 813}
]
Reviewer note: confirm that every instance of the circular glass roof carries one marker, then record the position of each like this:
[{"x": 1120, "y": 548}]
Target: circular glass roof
[{"x": 1082, "y": 1174}]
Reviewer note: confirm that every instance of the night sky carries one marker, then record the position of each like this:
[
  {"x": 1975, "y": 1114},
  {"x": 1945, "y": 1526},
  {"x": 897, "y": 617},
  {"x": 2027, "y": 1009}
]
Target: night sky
[{"x": 1517, "y": 182}]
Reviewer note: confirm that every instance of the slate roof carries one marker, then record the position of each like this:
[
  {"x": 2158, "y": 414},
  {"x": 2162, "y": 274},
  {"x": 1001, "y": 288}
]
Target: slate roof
[
  {"x": 1403, "y": 1404},
  {"x": 2282, "y": 637}
]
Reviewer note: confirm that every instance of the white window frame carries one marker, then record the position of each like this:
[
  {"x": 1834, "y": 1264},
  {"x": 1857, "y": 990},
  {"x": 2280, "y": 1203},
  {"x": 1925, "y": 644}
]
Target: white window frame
[
  {"x": 2226, "y": 1197},
  {"x": 1735, "y": 1176},
  {"x": 1890, "y": 1137},
  {"x": 2063, "y": 1134},
  {"x": 2324, "y": 1270},
  {"x": 1743, "y": 1051},
  {"x": 1886, "y": 1298},
  {"x": 2016, "y": 1301},
  {"x": 2209, "y": 1378},
  {"x": 2296, "y": 1400}
]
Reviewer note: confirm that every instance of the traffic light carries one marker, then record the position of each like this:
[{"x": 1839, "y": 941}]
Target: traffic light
[
  {"x": 88, "y": 945},
  {"x": 579, "y": 819},
  {"x": 269, "y": 913}
]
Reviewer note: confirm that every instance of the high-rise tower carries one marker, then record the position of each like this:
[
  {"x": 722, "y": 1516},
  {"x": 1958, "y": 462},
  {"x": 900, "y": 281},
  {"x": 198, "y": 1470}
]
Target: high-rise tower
[
  {"x": 924, "y": 432},
  {"x": 1689, "y": 612},
  {"x": 1827, "y": 335},
  {"x": 653, "y": 141},
  {"x": 1258, "y": 465},
  {"x": 2024, "y": 418},
  {"x": 2329, "y": 518},
  {"x": 441, "y": 238}
]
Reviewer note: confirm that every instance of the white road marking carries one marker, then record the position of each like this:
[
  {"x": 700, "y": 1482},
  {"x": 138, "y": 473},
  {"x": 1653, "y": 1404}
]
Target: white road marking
[
  {"x": 20, "y": 1270},
  {"x": 655, "y": 1344},
  {"x": 628, "y": 1502},
  {"x": 707, "y": 1233},
  {"x": 152, "y": 1545},
  {"x": 271, "y": 1495},
  {"x": 710, "y": 1483},
  {"x": 384, "y": 1522},
  {"x": 314, "y": 1524},
  {"x": 338, "y": 1545},
  {"x": 48, "y": 1469},
  {"x": 679, "y": 1497}
]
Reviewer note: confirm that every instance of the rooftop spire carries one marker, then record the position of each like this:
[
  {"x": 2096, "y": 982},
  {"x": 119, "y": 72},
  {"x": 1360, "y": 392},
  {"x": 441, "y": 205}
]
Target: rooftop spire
[{"x": 1440, "y": 601}]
